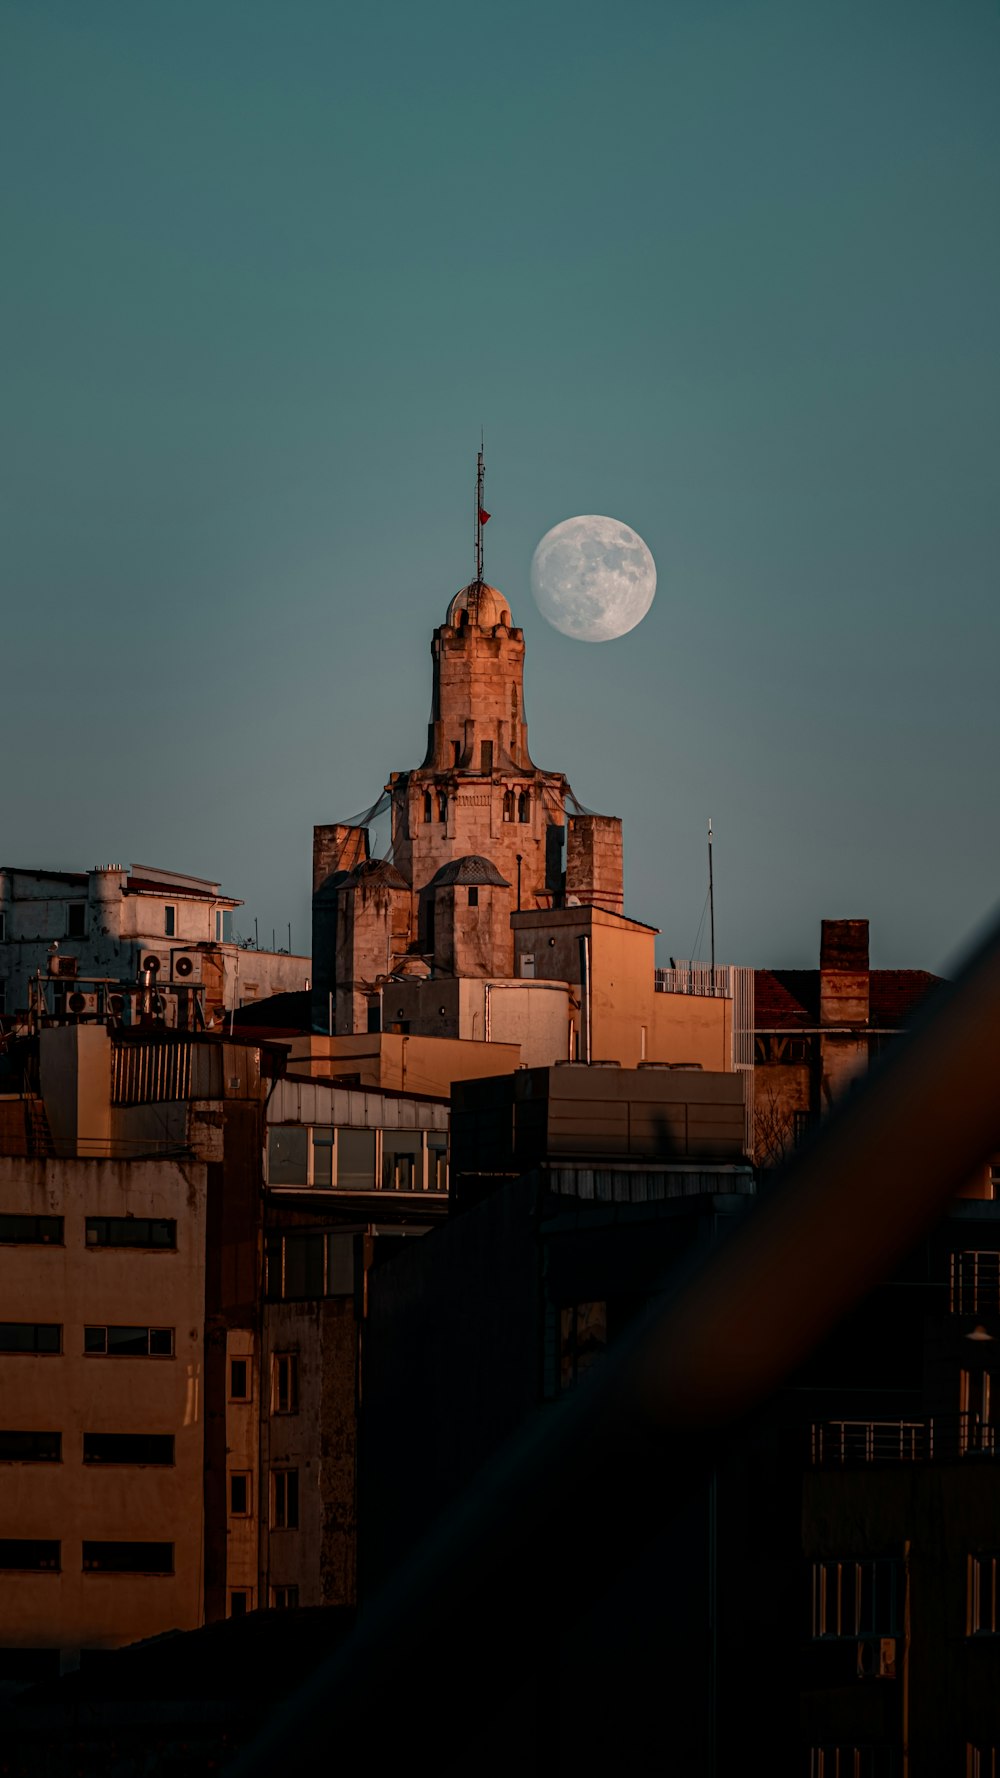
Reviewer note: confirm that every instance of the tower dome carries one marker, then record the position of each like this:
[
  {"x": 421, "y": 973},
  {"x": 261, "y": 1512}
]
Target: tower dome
[{"x": 479, "y": 604}]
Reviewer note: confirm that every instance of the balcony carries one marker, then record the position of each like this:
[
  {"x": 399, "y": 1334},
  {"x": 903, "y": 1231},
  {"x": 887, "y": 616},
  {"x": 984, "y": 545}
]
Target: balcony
[{"x": 841, "y": 1444}]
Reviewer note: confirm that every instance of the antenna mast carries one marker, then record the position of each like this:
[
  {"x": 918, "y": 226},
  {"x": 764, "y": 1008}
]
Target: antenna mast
[
  {"x": 711, "y": 898},
  {"x": 480, "y": 518}
]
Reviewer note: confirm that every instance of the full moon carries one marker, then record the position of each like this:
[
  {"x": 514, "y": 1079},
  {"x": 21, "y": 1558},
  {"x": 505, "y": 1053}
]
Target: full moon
[{"x": 593, "y": 578}]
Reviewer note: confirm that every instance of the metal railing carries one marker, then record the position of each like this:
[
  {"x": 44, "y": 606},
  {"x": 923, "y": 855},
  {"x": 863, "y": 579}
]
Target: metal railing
[{"x": 837, "y": 1444}]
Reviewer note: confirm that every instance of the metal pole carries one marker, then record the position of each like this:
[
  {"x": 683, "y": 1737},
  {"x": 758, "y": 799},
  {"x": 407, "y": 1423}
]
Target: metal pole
[
  {"x": 519, "y": 882},
  {"x": 711, "y": 898}
]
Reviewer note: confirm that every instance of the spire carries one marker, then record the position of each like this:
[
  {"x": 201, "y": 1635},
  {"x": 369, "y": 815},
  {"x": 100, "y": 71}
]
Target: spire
[{"x": 482, "y": 516}]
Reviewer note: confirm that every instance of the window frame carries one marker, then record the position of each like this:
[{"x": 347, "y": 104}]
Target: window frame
[
  {"x": 29, "y": 1457},
  {"x": 8, "y": 1239},
  {"x": 35, "y": 1350},
  {"x": 121, "y": 1223},
  {"x": 95, "y": 1566},
  {"x": 285, "y": 1370},
  {"x": 10, "y": 1545},
  {"x": 94, "y": 1351},
  {"x": 120, "y": 1462},
  {"x": 247, "y": 1362},
  {"x": 169, "y": 919},
  {"x": 284, "y": 1498},
  {"x": 246, "y": 1510},
  {"x": 975, "y": 1593},
  {"x": 281, "y": 1599},
  {"x": 864, "y": 1602}
]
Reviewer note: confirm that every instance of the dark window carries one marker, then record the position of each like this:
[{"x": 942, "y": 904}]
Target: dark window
[
  {"x": 129, "y": 1342},
  {"x": 984, "y": 1594},
  {"x": 356, "y": 1159},
  {"x": 169, "y": 921},
  {"x": 437, "y": 1161},
  {"x": 428, "y": 806},
  {"x": 40, "y": 1231},
  {"x": 128, "y": 1447},
  {"x": 508, "y": 805},
  {"x": 442, "y": 808},
  {"x": 305, "y": 1265},
  {"x": 474, "y": 897},
  {"x": 285, "y": 1499},
  {"x": 285, "y": 1393},
  {"x": 322, "y": 1148},
  {"x": 35, "y": 1553},
  {"x": 285, "y": 1598},
  {"x": 486, "y": 757},
  {"x": 30, "y": 1336},
  {"x": 456, "y": 747},
  {"x": 288, "y": 1154},
  {"x": 402, "y": 1168},
  {"x": 374, "y": 1020},
  {"x": 239, "y": 1379},
  {"x": 317, "y": 1264},
  {"x": 76, "y": 920},
  {"x": 30, "y": 1447},
  {"x": 128, "y": 1558},
  {"x": 429, "y": 925},
  {"x": 855, "y": 1598},
  {"x": 131, "y": 1231},
  {"x": 239, "y": 1601},
  {"x": 524, "y": 807},
  {"x": 239, "y": 1496}
]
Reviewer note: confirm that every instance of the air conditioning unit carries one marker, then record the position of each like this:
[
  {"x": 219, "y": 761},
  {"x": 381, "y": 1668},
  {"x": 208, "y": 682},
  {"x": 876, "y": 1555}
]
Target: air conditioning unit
[
  {"x": 124, "y": 1005},
  {"x": 187, "y": 966},
  {"x": 877, "y": 1658},
  {"x": 155, "y": 964},
  {"x": 81, "y": 1004},
  {"x": 62, "y": 965}
]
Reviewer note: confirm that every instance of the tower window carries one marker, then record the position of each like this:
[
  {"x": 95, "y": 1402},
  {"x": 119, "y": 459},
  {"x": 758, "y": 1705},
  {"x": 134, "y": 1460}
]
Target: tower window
[
  {"x": 428, "y": 806},
  {"x": 524, "y": 807},
  {"x": 456, "y": 748},
  {"x": 474, "y": 898},
  {"x": 169, "y": 922},
  {"x": 508, "y": 805},
  {"x": 442, "y": 808},
  {"x": 485, "y": 757}
]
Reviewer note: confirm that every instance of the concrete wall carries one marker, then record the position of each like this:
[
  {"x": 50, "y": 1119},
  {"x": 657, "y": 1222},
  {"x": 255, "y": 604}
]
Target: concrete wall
[
  {"x": 76, "y": 1285},
  {"x": 402, "y": 1063}
]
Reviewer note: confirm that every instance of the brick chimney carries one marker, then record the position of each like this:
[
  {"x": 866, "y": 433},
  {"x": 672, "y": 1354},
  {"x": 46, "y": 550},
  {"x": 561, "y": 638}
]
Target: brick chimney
[{"x": 844, "y": 975}]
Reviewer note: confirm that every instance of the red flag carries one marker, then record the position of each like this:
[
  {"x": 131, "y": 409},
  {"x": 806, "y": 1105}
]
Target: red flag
[{"x": 484, "y": 517}]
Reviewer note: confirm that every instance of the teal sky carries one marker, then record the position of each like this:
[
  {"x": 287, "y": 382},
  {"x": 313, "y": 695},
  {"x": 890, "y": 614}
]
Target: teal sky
[{"x": 728, "y": 270}]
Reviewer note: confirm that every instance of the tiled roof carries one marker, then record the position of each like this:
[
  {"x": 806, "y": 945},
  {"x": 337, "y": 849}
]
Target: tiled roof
[
  {"x": 183, "y": 891},
  {"x": 788, "y": 999}
]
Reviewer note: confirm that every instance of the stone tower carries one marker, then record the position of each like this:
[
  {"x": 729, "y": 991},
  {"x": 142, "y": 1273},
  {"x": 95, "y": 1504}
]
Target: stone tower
[{"x": 478, "y": 831}]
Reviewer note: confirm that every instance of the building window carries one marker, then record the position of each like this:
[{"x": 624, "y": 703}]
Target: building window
[
  {"x": 131, "y": 1231},
  {"x": 524, "y": 807},
  {"x": 855, "y": 1598},
  {"x": 169, "y": 921},
  {"x": 239, "y": 1379},
  {"x": 437, "y": 1161},
  {"x": 486, "y": 758},
  {"x": 285, "y": 1598},
  {"x": 76, "y": 920},
  {"x": 30, "y": 1447},
  {"x": 322, "y": 1156},
  {"x": 30, "y": 1336},
  {"x": 313, "y": 1264},
  {"x": 31, "y": 1231},
  {"x": 129, "y": 1342},
  {"x": 508, "y": 805},
  {"x": 428, "y": 806},
  {"x": 356, "y": 1160},
  {"x": 975, "y": 1283},
  {"x": 402, "y": 1160},
  {"x": 981, "y": 1762},
  {"x": 474, "y": 896},
  {"x": 34, "y": 1555},
  {"x": 983, "y": 1615},
  {"x": 240, "y": 1601},
  {"x": 155, "y": 1449},
  {"x": 456, "y": 753},
  {"x": 976, "y": 1429},
  {"x": 285, "y": 1386},
  {"x": 373, "y": 1014},
  {"x": 288, "y": 1154},
  {"x": 285, "y": 1499},
  {"x": 239, "y": 1495},
  {"x": 442, "y": 807},
  {"x": 128, "y": 1558}
]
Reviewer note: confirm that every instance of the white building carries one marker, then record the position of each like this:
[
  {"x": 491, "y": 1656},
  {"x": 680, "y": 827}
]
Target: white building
[{"x": 113, "y": 930}]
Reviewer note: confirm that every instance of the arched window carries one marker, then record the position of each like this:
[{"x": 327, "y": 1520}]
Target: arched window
[
  {"x": 428, "y": 806},
  {"x": 524, "y": 806},
  {"x": 442, "y": 808},
  {"x": 457, "y": 750},
  {"x": 508, "y": 805}
]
